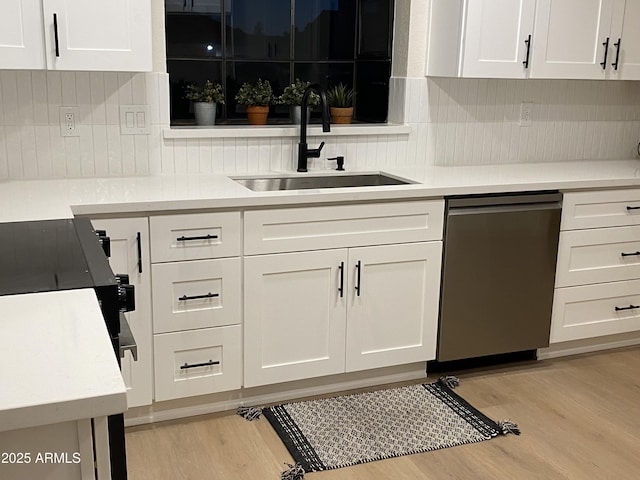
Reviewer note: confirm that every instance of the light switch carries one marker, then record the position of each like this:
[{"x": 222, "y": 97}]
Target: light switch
[{"x": 133, "y": 120}]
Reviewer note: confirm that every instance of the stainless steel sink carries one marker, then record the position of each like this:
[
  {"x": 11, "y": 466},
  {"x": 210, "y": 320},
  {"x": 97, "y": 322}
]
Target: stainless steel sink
[{"x": 267, "y": 184}]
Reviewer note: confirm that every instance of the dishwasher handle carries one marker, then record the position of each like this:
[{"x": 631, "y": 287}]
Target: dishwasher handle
[{"x": 527, "y": 207}]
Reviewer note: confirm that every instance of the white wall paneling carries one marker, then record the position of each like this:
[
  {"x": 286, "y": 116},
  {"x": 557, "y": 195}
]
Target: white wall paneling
[{"x": 453, "y": 122}]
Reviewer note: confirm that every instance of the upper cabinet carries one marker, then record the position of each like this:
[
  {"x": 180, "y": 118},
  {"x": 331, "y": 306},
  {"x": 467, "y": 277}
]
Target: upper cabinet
[
  {"x": 75, "y": 35},
  {"x": 578, "y": 39},
  {"x": 480, "y": 38},
  {"x": 21, "y": 34},
  {"x": 574, "y": 38}
]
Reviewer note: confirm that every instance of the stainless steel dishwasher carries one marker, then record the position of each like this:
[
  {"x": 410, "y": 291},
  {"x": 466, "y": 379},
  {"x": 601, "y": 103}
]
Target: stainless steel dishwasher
[{"x": 498, "y": 274}]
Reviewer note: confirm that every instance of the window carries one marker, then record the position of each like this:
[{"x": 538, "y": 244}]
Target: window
[{"x": 322, "y": 41}]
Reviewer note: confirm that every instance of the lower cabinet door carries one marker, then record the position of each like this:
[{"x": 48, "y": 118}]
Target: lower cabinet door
[
  {"x": 294, "y": 317},
  {"x": 197, "y": 362},
  {"x": 393, "y": 305},
  {"x": 595, "y": 310},
  {"x": 130, "y": 255}
]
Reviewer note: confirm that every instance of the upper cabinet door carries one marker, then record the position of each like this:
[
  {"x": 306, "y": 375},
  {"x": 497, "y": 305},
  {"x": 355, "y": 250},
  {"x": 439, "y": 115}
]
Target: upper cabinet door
[
  {"x": 497, "y": 38},
  {"x": 625, "y": 58},
  {"x": 573, "y": 37},
  {"x": 98, "y": 34},
  {"x": 21, "y": 39}
]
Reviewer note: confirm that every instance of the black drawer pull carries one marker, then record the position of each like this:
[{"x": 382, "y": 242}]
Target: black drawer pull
[
  {"x": 633, "y": 208},
  {"x": 194, "y": 365},
  {"x": 629, "y": 254},
  {"x": 526, "y": 58},
  {"x": 358, "y": 268},
  {"x": 139, "y": 248},
  {"x": 341, "y": 287},
  {"x": 203, "y": 237},
  {"x": 603, "y": 64},
  {"x": 184, "y": 298},
  {"x": 617, "y": 45},
  {"x": 55, "y": 34},
  {"x": 630, "y": 307}
]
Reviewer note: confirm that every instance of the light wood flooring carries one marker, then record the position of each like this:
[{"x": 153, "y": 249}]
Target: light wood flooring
[{"x": 579, "y": 416}]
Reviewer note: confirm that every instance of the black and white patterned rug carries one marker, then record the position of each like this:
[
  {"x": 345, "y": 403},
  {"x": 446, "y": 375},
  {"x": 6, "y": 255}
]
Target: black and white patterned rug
[{"x": 347, "y": 430}]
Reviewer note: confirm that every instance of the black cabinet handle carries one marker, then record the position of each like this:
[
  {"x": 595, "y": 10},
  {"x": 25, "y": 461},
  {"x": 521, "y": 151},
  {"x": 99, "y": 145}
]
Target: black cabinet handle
[
  {"x": 358, "y": 268},
  {"x": 603, "y": 64},
  {"x": 203, "y": 237},
  {"x": 629, "y": 254},
  {"x": 630, "y": 307},
  {"x": 633, "y": 208},
  {"x": 526, "y": 58},
  {"x": 139, "y": 246},
  {"x": 617, "y": 45},
  {"x": 341, "y": 287},
  {"x": 184, "y": 298},
  {"x": 194, "y": 365},
  {"x": 55, "y": 34}
]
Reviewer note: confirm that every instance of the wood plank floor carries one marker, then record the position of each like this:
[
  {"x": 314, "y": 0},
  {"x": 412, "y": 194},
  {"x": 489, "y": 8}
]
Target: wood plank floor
[{"x": 579, "y": 416}]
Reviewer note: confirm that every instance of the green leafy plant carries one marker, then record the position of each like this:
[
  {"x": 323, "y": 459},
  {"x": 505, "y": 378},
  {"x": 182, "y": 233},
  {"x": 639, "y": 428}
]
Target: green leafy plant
[
  {"x": 340, "y": 96},
  {"x": 210, "y": 93},
  {"x": 292, "y": 94},
  {"x": 259, "y": 93}
]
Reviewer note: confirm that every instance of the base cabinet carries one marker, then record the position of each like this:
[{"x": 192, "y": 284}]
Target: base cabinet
[
  {"x": 76, "y": 450},
  {"x": 324, "y": 312},
  {"x": 130, "y": 255}
]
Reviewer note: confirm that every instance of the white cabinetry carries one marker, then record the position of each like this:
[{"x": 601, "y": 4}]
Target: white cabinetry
[
  {"x": 322, "y": 312},
  {"x": 572, "y": 38},
  {"x": 196, "y": 303},
  {"x": 21, "y": 35},
  {"x": 130, "y": 255},
  {"x": 578, "y": 39},
  {"x": 480, "y": 38},
  {"x": 598, "y": 274},
  {"x": 76, "y": 35}
]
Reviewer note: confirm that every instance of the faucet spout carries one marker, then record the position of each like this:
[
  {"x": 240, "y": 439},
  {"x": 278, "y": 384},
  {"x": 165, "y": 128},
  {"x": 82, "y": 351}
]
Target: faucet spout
[{"x": 304, "y": 152}]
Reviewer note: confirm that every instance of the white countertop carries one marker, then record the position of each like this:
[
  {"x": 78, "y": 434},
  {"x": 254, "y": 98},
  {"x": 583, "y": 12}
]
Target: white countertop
[
  {"x": 57, "y": 363},
  {"x": 62, "y": 198}
]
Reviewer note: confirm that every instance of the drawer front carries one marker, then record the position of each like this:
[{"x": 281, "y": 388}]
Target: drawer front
[
  {"x": 613, "y": 208},
  {"x": 599, "y": 255},
  {"x": 201, "y": 294},
  {"x": 195, "y": 236},
  {"x": 595, "y": 310},
  {"x": 315, "y": 228},
  {"x": 197, "y": 362}
]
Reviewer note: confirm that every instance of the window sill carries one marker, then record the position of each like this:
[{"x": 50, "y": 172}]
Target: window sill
[{"x": 231, "y": 131}]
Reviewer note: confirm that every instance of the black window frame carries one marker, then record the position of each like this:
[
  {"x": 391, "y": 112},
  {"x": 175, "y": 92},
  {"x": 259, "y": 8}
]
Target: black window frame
[{"x": 280, "y": 114}]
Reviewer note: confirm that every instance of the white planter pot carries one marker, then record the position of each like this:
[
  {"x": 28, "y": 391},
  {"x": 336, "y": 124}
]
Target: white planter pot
[
  {"x": 296, "y": 114},
  {"x": 205, "y": 113}
]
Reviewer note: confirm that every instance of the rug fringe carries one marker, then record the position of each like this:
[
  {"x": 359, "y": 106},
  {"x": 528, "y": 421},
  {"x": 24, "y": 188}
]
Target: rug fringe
[
  {"x": 508, "y": 426},
  {"x": 249, "y": 413},
  {"x": 294, "y": 472},
  {"x": 449, "y": 381}
]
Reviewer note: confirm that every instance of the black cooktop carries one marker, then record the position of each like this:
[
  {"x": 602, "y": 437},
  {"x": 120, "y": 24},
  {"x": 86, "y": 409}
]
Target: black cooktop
[{"x": 50, "y": 255}]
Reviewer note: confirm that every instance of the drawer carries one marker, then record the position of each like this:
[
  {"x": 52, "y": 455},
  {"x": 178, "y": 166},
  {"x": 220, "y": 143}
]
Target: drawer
[
  {"x": 607, "y": 208},
  {"x": 598, "y": 255},
  {"x": 197, "y": 362},
  {"x": 200, "y": 294},
  {"x": 595, "y": 310},
  {"x": 316, "y": 228},
  {"x": 194, "y": 236}
]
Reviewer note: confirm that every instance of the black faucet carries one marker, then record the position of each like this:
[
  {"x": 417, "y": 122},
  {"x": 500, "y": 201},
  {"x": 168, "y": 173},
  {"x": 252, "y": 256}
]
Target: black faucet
[{"x": 303, "y": 151}]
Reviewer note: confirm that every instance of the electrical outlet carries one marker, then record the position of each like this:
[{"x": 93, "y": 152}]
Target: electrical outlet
[
  {"x": 526, "y": 113},
  {"x": 69, "y": 117}
]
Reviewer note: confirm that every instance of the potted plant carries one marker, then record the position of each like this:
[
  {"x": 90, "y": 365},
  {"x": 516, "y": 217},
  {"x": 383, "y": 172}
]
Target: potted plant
[
  {"x": 341, "y": 102},
  {"x": 204, "y": 101},
  {"x": 257, "y": 98},
  {"x": 292, "y": 96}
]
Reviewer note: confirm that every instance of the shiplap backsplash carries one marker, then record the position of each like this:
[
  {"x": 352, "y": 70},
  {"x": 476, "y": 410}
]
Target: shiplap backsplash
[{"x": 454, "y": 121}]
